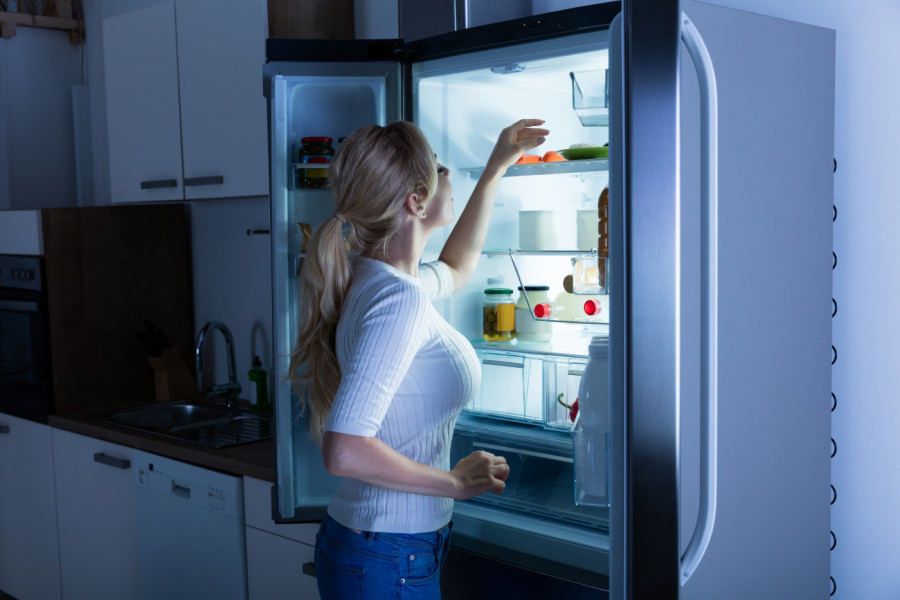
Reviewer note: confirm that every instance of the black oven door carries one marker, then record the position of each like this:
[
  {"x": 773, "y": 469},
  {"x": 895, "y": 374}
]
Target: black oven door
[{"x": 25, "y": 378}]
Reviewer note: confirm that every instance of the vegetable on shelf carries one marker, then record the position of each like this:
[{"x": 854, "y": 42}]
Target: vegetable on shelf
[{"x": 573, "y": 408}]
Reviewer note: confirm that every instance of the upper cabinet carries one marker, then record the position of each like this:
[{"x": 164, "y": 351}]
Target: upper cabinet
[{"x": 186, "y": 116}]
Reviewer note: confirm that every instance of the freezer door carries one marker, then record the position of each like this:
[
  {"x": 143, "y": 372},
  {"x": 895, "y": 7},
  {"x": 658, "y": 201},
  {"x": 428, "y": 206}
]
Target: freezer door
[{"x": 325, "y": 97}]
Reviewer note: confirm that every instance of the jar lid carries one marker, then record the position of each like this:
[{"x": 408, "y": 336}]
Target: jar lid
[
  {"x": 307, "y": 140},
  {"x": 534, "y": 288},
  {"x": 498, "y": 291}
]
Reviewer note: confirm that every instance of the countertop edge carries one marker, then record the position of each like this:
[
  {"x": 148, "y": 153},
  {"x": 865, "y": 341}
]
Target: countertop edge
[{"x": 256, "y": 459}]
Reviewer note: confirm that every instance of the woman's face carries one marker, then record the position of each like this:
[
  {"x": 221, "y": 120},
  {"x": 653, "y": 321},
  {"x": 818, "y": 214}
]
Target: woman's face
[{"x": 440, "y": 208}]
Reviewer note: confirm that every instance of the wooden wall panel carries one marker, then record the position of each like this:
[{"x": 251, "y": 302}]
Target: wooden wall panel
[
  {"x": 108, "y": 269},
  {"x": 311, "y": 19}
]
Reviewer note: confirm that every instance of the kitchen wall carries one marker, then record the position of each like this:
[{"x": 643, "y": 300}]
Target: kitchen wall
[{"x": 38, "y": 68}]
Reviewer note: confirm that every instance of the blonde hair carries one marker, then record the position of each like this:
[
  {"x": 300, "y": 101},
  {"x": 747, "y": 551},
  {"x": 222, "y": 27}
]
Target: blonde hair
[{"x": 372, "y": 173}]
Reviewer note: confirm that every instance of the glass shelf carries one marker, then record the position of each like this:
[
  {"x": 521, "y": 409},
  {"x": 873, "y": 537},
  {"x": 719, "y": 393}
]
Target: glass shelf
[{"x": 562, "y": 167}]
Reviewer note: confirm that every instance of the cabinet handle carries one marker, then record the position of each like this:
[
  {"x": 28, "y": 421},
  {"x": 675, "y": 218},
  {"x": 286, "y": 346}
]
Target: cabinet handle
[
  {"x": 112, "y": 461},
  {"x": 159, "y": 183},
  {"x": 4, "y": 428},
  {"x": 309, "y": 569},
  {"x": 211, "y": 180}
]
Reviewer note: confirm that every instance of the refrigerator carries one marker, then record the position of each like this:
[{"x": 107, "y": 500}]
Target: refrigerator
[{"x": 708, "y": 475}]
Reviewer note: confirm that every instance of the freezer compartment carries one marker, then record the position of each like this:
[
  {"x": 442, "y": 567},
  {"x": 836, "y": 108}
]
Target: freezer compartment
[
  {"x": 527, "y": 387},
  {"x": 541, "y": 479}
]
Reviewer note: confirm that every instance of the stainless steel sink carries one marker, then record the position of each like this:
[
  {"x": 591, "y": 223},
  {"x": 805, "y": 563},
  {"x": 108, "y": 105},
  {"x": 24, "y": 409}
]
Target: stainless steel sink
[{"x": 199, "y": 422}]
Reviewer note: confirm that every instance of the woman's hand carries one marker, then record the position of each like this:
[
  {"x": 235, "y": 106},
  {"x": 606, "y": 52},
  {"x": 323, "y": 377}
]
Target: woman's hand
[
  {"x": 480, "y": 472},
  {"x": 514, "y": 141}
]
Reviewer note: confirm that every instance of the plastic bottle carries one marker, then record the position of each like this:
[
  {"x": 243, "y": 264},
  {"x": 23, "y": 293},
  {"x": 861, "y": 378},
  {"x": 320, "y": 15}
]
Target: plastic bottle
[
  {"x": 259, "y": 393},
  {"x": 591, "y": 438}
]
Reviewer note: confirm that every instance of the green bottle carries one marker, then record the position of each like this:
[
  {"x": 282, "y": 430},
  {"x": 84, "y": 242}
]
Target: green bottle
[{"x": 259, "y": 394}]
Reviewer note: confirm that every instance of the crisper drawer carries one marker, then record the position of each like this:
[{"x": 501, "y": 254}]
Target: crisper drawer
[
  {"x": 528, "y": 388},
  {"x": 542, "y": 472}
]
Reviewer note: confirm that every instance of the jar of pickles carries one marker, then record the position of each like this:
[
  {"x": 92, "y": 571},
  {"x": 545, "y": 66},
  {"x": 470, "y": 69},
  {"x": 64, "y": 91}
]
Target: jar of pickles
[
  {"x": 499, "y": 315},
  {"x": 315, "y": 150}
]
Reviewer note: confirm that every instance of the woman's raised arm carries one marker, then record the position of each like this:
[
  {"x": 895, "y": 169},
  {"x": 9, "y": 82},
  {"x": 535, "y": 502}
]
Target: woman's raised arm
[{"x": 465, "y": 242}]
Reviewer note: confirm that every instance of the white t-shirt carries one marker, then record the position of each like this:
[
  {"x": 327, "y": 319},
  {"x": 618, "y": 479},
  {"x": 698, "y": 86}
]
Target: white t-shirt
[{"x": 406, "y": 375}]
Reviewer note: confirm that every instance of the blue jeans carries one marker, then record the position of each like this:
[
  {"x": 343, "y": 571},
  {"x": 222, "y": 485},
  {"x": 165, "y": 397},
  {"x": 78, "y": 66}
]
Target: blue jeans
[{"x": 376, "y": 566}]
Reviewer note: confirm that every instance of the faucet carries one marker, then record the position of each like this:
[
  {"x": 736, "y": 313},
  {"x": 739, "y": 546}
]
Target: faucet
[{"x": 231, "y": 389}]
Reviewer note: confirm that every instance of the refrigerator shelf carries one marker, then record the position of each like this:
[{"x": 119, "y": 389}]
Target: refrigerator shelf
[{"x": 563, "y": 167}]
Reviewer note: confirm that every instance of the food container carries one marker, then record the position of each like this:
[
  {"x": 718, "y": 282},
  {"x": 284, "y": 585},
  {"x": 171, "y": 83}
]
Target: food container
[
  {"x": 315, "y": 151},
  {"x": 499, "y": 315},
  {"x": 528, "y": 328},
  {"x": 537, "y": 230},
  {"x": 586, "y": 278},
  {"x": 587, "y": 229}
]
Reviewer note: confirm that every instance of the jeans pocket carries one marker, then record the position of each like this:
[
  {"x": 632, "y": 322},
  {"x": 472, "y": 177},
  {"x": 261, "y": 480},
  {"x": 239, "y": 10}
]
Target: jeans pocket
[{"x": 421, "y": 566}]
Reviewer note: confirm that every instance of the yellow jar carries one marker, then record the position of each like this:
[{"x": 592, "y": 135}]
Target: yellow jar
[{"x": 499, "y": 315}]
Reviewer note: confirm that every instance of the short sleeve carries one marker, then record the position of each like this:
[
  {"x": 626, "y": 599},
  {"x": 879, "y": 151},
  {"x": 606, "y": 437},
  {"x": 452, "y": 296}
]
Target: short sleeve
[{"x": 436, "y": 279}]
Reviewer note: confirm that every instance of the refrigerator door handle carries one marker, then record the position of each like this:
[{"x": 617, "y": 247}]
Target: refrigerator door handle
[{"x": 709, "y": 294}]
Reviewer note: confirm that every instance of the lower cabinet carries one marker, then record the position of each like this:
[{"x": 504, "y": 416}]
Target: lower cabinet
[
  {"x": 97, "y": 512},
  {"x": 278, "y": 556},
  {"x": 29, "y": 556}
]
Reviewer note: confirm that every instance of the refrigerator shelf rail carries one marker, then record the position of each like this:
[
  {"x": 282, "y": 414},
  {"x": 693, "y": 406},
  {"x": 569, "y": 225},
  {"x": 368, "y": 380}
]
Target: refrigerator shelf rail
[{"x": 584, "y": 167}]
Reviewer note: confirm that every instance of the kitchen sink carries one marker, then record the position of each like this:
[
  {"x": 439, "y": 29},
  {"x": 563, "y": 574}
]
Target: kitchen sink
[{"x": 205, "y": 423}]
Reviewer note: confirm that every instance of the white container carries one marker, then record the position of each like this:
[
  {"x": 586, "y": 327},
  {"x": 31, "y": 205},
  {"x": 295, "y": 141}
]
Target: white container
[
  {"x": 587, "y": 224},
  {"x": 591, "y": 438},
  {"x": 528, "y": 328},
  {"x": 537, "y": 230}
]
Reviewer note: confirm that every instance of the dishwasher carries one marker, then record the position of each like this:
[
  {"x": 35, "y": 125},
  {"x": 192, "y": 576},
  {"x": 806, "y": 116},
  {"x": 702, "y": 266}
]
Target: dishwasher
[{"x": 191, "y": 523}]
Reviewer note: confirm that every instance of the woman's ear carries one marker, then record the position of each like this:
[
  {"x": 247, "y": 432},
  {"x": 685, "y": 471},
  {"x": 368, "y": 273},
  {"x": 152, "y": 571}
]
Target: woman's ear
[{"x": 415, "y": 204}]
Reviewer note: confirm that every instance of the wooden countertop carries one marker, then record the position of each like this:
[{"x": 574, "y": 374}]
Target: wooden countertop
[{"x": 256, "y": 459}]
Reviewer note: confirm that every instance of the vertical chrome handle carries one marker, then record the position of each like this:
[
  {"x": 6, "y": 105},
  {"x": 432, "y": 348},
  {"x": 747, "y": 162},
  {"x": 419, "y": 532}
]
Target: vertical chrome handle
[{"x": 709, "y": 174}]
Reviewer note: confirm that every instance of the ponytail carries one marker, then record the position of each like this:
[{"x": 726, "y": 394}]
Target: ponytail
[{"x": 371, "y": 175}]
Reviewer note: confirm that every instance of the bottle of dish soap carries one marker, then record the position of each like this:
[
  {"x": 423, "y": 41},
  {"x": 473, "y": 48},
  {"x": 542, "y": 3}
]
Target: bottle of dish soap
[{"x": 259, "y": 393}]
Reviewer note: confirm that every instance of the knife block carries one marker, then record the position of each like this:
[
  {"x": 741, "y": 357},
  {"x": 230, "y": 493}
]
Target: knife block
[{"x": 172, "y": 378}]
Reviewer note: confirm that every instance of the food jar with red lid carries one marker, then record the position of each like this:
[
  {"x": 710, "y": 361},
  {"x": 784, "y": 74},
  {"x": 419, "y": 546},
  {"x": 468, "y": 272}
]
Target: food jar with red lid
[{"x": 315, "y": 150}]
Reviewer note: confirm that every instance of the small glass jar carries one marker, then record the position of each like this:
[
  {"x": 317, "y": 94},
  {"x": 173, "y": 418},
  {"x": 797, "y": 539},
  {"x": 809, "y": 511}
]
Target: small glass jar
[
  {"x": 499, "y": 315},
  {"x": 315, "y": 150},
  {"x": 528, "y": 328}
]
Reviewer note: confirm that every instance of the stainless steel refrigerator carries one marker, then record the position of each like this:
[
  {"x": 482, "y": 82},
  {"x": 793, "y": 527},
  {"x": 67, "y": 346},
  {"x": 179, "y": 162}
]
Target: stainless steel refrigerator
[{"x": 710, "y": 477}]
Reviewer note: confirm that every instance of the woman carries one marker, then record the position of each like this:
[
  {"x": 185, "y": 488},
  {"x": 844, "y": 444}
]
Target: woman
[{"x": 385, "y": 376}]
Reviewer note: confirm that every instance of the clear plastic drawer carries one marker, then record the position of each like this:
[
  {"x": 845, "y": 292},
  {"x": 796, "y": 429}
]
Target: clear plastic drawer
[{"x": 529, "y": 388}]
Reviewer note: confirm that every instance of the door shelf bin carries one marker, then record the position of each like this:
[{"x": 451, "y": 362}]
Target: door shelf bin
[{"x": 527, "y": 388}]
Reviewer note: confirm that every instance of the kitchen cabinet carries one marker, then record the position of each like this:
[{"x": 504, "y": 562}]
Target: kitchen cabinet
[
  {"x": 279, "y": 556},
  {"x": 29, "y": 558},
  {"x": 96, "y": 503},
  {"x": 186, "y": 118}
]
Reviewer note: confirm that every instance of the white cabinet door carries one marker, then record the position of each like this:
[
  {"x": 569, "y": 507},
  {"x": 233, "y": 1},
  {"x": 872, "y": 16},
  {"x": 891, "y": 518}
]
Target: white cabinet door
[
  {"x": 29, "y": 555},
  {"x": 275, "y": 567},
  {"x": 186, "y": 115},
  {"x": 278, "y": 555},
  {"x": 143, "y": 115},
  {"x": 221, "y": 51},
  {"x": 96, "y": 503}
]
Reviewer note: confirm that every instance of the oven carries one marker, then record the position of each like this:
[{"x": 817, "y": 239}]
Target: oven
[{"x": 25, "y": 376}]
